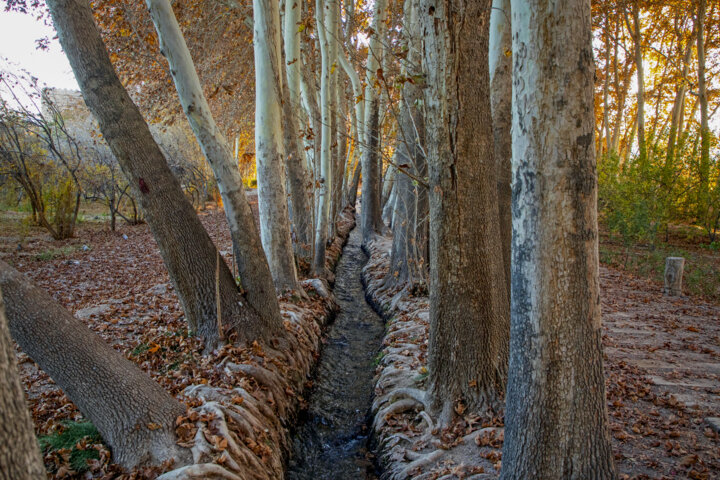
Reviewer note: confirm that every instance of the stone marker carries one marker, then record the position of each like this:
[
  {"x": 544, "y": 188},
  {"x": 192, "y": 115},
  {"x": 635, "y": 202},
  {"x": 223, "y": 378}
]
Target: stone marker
[{"x": 673, "y": 276}]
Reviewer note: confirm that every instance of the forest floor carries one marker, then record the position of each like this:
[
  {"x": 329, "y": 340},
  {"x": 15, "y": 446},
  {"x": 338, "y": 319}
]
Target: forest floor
[
  {"x": 662, "y": 366},
  {"x": 117, "y": 284},
  {"x": 662, "y": 355}
]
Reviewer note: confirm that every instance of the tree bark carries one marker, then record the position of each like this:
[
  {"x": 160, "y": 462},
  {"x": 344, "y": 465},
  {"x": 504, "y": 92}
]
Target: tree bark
[
  {"x": 20, "y": 457},
  {"x": 272, "y": 200},
  {"x": 252, "y": 266},
  {"x": 185, "y": 246},
  {"x": 501, "y": 104},
  {"x": 556, "y": 415},
  {"x": 469, "y": 308},
  {"x": 134, "y": 415}
]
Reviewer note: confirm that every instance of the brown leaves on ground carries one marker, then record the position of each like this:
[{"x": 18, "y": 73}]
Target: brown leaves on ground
[
  {"x": 119, "y": 286},
  {"x": 662, "y": 365}
]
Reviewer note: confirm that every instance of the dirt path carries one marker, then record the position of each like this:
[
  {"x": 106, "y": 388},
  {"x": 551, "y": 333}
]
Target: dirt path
[{"x": 663, "y": 379}]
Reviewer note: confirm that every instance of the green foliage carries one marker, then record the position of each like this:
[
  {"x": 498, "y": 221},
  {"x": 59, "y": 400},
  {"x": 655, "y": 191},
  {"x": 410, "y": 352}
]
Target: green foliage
[
  {"x": 628, "y": 200},
  {"x": 73, "y": 436}
]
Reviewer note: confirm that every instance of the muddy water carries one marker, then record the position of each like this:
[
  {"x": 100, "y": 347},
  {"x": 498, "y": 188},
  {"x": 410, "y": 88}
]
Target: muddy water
[{"x": 332, "y": 440}]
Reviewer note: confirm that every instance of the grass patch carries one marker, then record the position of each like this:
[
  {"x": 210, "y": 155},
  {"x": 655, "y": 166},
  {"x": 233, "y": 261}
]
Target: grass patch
[
  {"x": 701, "y": 274},
  {"x": 54, "y": 253},
  {"x": 378, "y": 358},
  {"x": 140, "y": 348},
  {"x": 68, "y": 438}
]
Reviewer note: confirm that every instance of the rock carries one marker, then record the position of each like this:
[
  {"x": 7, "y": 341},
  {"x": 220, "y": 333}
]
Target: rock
[
  {"x": 159, "y": 289},
  {"x": 319, "y": 285},
  {"x": 86, "y": 313},
  {"x": 714, "y": 423}
]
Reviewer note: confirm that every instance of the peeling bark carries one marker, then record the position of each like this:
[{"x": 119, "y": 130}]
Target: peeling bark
[{"x": 556, "y": 415}]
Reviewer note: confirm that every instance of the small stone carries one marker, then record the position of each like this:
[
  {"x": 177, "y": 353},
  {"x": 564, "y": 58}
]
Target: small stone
[{"x": 714, "y": 423}]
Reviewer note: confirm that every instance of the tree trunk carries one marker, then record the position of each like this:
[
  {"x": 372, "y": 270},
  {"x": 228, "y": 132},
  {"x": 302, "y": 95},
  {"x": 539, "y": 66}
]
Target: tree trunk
[
  {"x": 354, "y": 184},
  {"x": 469, "y": 308},
  {"x": 704, "y": 197},
  {"x": 501, "y": 103},
  {"x": 371, "y": 213},
  {"x": 407, "y": 262},
  {"x": 20, "y": 457},
  {"x": 272, "y": 200},
  {"x": 327, "y": 18},
  {"x": 676, "y": 116},
  {"x": 134, "y": 415},
  {"x": 252, "y": 265},
  {"x": 673, "y": 276},
  {"x": 555, "y": 416},
  {"x": 185, "y": 246},
  {"x": 636, "y": 33},
  {"x": 298, "y": 180}
]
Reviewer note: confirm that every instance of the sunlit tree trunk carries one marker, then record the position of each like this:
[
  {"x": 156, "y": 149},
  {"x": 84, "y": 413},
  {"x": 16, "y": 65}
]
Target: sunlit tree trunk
[
  {"x": 270, "y": 154},
  {"x": 185, "y": 246},
  {"x": 19, "y": 454},
  {"x": 500, "y": 100},
  {"x": 252, "y": 265},
  {"x": 469, "y": 308},
  {"x": 371, "y": 219},
  {"x": 704, "y": 126},
  {"x": 636, "y": 33},
  {"x": 555, "y": 416},
  {"x": 676, "y": 115},
  {"x": 134, "y": 415}
]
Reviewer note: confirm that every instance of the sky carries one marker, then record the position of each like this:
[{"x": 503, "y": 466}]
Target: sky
[{"x": 18, "y": 33}]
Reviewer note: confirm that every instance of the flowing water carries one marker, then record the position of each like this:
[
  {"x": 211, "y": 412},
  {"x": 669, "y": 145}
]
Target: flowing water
[{"x": 332, "y": 440}]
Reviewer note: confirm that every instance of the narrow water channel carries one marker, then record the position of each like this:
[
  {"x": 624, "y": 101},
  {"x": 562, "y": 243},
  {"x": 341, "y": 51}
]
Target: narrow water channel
[{"x": 331, "y": 442}]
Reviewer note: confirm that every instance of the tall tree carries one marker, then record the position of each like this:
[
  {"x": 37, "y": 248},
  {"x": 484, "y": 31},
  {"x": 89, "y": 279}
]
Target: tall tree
[
  {"x": 134, "y": 415},
  {"x": 295, "y": 156},
  {"x": 408, "y": 261},
  {"x": 272, "y": 200},
  {"x": 371, "y": 215},
  {"x": 19, "y": 454},
  {"x": 555, "y": 416},
  {"x": 253, "y": 269},
  {"x": 326, "y": 16},
  {"x": 185, "y": 246},
  {"x": 635, "y": 29},
  {"x": 469, "y": 308},
  {"x": 500, "y": 101},
  {"x": 704, "y": 119}
]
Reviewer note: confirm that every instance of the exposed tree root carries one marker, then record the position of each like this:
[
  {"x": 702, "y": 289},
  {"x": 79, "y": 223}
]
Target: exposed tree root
[
  {"x": 241, "y": 433},
  {"x": 412, "y": 442}
]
